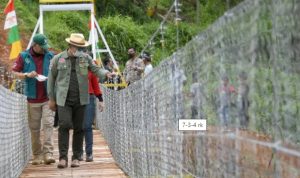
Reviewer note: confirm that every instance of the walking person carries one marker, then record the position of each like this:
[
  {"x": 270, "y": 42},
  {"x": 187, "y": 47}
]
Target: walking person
[
  {"x": 29, "y": 66},
  {"x": 94, "y": 92},
  {"x": 68, "y": 92},
  {"x": 198, "y": 97},
  {"x": 243, "y": 100},
  {"x": 226, "y": 90}
]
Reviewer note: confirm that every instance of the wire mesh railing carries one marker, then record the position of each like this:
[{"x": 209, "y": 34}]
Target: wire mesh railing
[
  {"x": 252, "y": 121},
  {"x": 253, "y": 124},
  {"x": 15, "y": 144}
]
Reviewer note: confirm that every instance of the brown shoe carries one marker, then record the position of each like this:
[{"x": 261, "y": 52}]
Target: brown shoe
[
  {"x": 62, "y": 164},
  {"x": 37, "y": 160},
  {"x": 48, "y": 158},
  {"x": 75, "y": 163}
]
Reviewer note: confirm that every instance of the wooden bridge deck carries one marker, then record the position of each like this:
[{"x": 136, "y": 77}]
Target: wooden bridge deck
[{"x": 103, "y": 166}]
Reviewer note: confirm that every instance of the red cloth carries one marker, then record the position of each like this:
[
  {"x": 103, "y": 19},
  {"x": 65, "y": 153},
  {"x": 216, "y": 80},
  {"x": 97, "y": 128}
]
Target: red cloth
[
  {"x": 227, "y": 89},
  {"x": 40, "y": 87},
  {"x": 94, "y": 87}
]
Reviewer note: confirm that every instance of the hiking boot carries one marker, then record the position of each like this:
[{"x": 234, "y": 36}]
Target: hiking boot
[
  {"x": 36, "y": 160},
  {"x": 89, "y": 158},
  {"x": 48, "y": 158},
  {"x": 75, "y": 163},
  {"x": 62, "y": 164}
]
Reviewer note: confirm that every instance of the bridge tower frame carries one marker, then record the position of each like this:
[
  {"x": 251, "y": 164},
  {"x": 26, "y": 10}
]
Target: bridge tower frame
[{"x": 74, "y": 5}]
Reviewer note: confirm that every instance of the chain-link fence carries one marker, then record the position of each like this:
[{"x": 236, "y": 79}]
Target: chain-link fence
[
  {"x": 8, "y": 80},
  {"x": 242, "y": 76},
  {"x": 15, "y": 145}
]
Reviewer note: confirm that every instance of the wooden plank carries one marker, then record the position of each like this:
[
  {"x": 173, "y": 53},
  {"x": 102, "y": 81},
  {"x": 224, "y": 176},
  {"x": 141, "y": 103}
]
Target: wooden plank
[{"x": 103, "y": 166}]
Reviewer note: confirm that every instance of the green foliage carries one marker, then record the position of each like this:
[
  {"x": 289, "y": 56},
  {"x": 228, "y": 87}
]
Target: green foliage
[
  {"x": 122, "y": 33},
  {"x": 25, "y": 16},
  {"x": 163, "y": 4},
  {"x": 134, "y": 9},
  {"x": 262, "y": 100},
  {"x": 186, "y": 33},
  {"x": 59, "y": 25},
  {"x": 210, "y": 11},
  {"x": 160, "y": 53},
  {"x": 124, "y": 23}
]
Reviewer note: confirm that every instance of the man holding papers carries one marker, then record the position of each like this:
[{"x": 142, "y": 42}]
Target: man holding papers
[{"x": 32, "y": 65}]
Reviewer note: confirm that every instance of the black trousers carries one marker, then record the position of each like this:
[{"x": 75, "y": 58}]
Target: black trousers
[
  {"x": 70, "y": 116},
  {"x": 55, "y": 119}
]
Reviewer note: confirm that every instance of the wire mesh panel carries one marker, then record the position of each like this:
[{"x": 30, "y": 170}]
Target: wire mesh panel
[
  {"x": 15, "y": 145},
  {"x": 242, "y": 76}
]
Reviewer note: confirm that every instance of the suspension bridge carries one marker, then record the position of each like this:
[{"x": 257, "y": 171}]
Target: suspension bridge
[{"x": 258, "y": 39}]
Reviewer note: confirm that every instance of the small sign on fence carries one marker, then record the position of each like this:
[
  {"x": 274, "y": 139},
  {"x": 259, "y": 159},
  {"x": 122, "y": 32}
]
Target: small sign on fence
[{"x": 192, "y": 124}]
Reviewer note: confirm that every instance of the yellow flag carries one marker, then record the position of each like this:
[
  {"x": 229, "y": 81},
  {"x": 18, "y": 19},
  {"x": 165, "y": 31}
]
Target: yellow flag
[{"x": 16, "y": 48}]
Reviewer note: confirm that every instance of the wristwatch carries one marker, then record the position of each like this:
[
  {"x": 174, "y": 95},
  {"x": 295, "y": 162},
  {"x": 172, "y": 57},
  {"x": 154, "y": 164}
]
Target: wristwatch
[{"x": 26, "y": 75}]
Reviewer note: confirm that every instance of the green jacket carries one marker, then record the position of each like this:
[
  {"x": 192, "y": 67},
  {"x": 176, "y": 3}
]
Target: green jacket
[{"x": 59, "y": 77}]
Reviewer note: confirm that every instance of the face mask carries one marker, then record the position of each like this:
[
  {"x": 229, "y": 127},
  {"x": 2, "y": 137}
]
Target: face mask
[
  {"x": 130, "y": 56},
  {"x": 79, "y": 52}
]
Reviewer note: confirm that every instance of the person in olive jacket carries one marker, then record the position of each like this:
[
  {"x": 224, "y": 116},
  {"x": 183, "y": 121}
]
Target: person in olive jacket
[{"x": 68, "y": 94}]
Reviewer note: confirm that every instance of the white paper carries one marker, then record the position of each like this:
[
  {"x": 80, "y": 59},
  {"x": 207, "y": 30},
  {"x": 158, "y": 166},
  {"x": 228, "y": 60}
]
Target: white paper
[{"x": 41, "y": 78}]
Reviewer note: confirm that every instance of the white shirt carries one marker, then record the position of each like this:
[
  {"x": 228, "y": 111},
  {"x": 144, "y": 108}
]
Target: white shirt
[{"x": 148, "y": 69}]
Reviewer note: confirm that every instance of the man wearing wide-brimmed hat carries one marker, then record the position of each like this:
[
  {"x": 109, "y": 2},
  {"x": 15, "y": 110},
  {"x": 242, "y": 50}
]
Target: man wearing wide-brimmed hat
[{"x": 68, "y": 93}]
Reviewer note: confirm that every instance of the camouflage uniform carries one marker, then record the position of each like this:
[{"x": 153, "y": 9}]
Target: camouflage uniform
[{"x": 131, "y": 75}]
